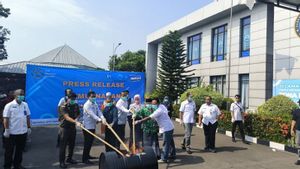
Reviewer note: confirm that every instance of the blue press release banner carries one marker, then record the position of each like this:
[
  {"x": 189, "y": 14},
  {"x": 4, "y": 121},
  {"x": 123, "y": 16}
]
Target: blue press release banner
[
  {"x": 289, "y": 88},
  {"x": 45, "y": 87}
]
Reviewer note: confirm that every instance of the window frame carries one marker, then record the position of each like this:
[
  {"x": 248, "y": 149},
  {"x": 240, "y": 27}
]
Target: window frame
[
  {"x": 217, "y": 79},
  {"x": 215, "y": 58},
  {"x": 191, "y": 42},
  {"x": 188, "y": 82},
  {"x": 244, "y": 53},
  {"x": 245, "y": 105}
]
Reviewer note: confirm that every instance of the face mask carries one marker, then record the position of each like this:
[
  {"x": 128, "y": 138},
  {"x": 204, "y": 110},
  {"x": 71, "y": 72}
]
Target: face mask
[
  {"x": 109, "y": 104},
  {"x": 72, "y": 102},
  {"x": 154, "y": 107},
  {"x": 190, "y": 99},
  {"x": 21, "y": 98},
  {"x": 149, "y": 106},
  {"x": 166, "y": 100},
  {"x": 93, "y": 100},
  {"x": 124, "y": 98}
]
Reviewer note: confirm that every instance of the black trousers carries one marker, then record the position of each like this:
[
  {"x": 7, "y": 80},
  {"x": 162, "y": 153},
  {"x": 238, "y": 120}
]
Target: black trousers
[
  {"x": 67, "y": 137},
  {"x": 210, "y": 134},
  {"x": 138, "y": 132},
  {"x": 88, "y": 142},
  {"x": 14, "y": 146},
  {"x": 110, "y": 138},
  {"x": 121, "y": 133},
  {"x": 241, "y": 129}
]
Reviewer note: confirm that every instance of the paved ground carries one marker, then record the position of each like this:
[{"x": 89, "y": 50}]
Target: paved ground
[{"x": 42, "y": 153}]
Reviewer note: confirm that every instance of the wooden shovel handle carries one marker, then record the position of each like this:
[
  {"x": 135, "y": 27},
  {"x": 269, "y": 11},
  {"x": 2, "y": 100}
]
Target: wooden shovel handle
[
  {"x": 117, "y": 136},
  {"x": 103, "y": 141}
]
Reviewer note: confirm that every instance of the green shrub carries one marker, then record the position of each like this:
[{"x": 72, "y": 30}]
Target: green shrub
[
  {"x": 226, "y": 103},
  {"x": 278, "y": 106},
  {"x": 263, "y": 126},
  {"x": 199, "y": 94},
  {"x": 155, "y": 94},
  {"x": 176, "y": 110}
]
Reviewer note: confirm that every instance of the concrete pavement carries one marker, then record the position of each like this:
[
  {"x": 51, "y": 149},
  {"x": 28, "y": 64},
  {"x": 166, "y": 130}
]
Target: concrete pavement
[{"x": 42, "y": 153}]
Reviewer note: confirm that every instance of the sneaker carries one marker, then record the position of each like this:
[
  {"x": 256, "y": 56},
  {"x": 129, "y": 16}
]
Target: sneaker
[
  {"x": 172, "y": 157},
  {"x": 71, "y": 161},
  {"x": 62, "y": 165},
  {"x": 162, "y": 161},
  {"x": 206, "y": 149},
  {"x": 212, "y": 150},
  {"x": 297, "y": 162}
]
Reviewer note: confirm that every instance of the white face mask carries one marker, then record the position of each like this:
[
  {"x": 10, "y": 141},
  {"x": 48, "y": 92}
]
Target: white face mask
[{"x": 190, "y": 99}]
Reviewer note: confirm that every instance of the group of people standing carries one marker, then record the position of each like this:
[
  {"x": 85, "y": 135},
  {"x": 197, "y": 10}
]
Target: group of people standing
[{"x": 150, "y": 118}]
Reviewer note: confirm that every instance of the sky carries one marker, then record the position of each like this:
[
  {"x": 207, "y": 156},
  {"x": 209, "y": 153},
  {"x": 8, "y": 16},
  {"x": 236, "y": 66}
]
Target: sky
[{"x": 91, "y": 27}]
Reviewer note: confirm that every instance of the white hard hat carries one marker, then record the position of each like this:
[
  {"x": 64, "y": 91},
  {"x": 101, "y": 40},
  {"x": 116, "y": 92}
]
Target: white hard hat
[{"x": 108, "y": 94}]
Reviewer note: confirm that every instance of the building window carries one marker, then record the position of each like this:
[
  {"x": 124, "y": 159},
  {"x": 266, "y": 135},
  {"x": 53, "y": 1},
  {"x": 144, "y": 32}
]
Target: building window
[
  {"x": 193, "y": 82},
  {"x": 219, "y": 43},
  {"x": 244, "y": 89},
  {"x": 218, "y": 83},
  {"x": 245, "y": 36},
  {"x": 194, "y": 50}
]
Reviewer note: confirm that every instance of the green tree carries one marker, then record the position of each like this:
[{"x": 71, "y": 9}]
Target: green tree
[
  {"x": 4, "y": 32},
  {"x": 129, "y": 61},
  {"x": 172, "y": 72}
]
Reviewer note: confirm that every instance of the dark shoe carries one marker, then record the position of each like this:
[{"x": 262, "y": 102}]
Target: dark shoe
[
  {"x": 172, "y": 157},
  {"x": 183, "y": 147},
  {"x": 71, "y": 161},
  {"x": 245, "y": 142},
  {"x": 20, "y": 167},
  {"x": 63, "y": 165},
  {"x": 233, "y": 140},
  {"x": 92, "y": 158},
  {"x": 297, "y": 162},
  {"x": 206, "y": 149},
  {"x": 88, "y": 162},
  {"x": 189, "y": 151},
  {"x": 212, "y": 150}
]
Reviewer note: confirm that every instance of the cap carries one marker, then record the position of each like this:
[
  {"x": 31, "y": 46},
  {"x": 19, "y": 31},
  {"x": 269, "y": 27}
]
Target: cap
[{"x": 108, "y": 94}]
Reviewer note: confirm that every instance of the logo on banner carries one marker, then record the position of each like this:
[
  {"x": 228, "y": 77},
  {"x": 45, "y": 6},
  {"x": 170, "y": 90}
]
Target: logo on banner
[
  {"x": 297, "y": 26},
  {"x": 37, "y": 73}
]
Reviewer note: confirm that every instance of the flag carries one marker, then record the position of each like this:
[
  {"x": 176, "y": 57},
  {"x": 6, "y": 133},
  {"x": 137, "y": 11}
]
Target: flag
[{"x": 249, "y": 3}]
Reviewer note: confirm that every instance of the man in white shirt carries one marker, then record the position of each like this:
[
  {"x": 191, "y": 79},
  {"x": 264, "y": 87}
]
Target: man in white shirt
[
  {"x": 123, "y": 111},
  {"x": 160, "y": 115},
  {"x": 16, "y": 116},
  {"x": 237, "y": 118},
  {"x": 187, "y": 114},
  {"x": 208, "y": 116},
  {"x": 91, "y": 116}
]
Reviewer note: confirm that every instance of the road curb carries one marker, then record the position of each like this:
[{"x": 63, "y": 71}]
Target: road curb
[{"x": 255, "y": 140}]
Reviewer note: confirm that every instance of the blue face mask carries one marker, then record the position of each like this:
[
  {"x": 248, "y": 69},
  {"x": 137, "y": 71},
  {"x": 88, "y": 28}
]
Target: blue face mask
[
  {"x": 148, "y": 106},
  {"x": 154, "y": 107},
  {"x": 125, "y": 98},
  {"x": 21, "y": 98},
  {"x": 109, "y": 104},
  {"x": 93, "y": 100}
]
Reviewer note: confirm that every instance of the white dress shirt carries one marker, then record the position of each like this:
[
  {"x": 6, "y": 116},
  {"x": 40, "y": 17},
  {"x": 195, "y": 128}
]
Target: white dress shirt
[
  {"x": 237, "y": 110},
  {"x": 188, "y": 109},
  {"x": 91, "y": 115},
  {"x": 122, "y": 111},
  {"x": 17, "y": 117},
  {"x": 62, "y": 101},
  {"x": 160, "y": 115},
  {"x": 210, "y": 113}
]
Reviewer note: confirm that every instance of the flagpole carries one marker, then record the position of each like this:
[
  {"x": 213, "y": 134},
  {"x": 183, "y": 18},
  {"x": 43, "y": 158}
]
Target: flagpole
[{"x": 229, "y": 53}]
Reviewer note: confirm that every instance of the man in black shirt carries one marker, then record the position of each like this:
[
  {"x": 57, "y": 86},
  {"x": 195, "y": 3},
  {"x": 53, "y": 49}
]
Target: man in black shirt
[
  {"x": 69, "y": 112},
  {"x": 295, "y": 130}
]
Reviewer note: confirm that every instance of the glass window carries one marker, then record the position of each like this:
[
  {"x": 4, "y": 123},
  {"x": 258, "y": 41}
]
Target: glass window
[
  {"x": 218, "y": 83},
  {"x": 194, "y": 49},
  {"x": 244, "y": 89},
  {"x": 245, "y": 36},
  {"x": 219, "y": 44},
  {"x": 193, "y": 82}
]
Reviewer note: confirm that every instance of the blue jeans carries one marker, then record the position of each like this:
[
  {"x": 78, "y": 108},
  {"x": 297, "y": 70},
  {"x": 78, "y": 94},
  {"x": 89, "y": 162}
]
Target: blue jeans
[
  {"x": 168, "y": 145},
  {"x": 151, "y": 140}
]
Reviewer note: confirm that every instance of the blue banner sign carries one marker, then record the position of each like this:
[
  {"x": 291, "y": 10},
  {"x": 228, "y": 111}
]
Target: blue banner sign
[
  {"x": 289, "y": 88},
  {"x": 45, "y": 87}
]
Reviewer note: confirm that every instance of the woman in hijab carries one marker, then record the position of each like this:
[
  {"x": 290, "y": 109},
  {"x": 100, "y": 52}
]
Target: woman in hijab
[{"x": 136, "y": 107}]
